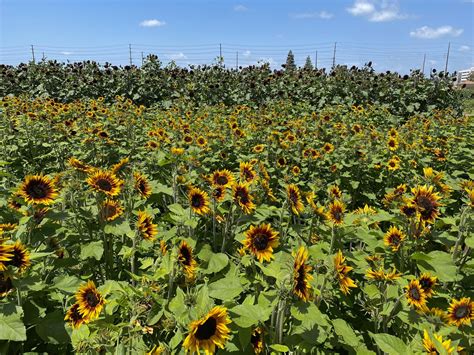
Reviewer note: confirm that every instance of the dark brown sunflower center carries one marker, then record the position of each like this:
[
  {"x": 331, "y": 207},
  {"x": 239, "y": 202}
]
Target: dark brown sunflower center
[
  {"x": 92, "y": 299},
  {"x": 300, "y": 279},
  {"x": 426, "y": 204},
  {"x": 293, "y": 197},
  {"x": 461, "y": 312},
  {"x": 185, "y": 256},
  {"x": 142, "y": 186},
  {"x": 248, "y": 174},
  {"x": 395, "y": 239},
  {"x": 260, "y": 241},
  {"x": 222, "y": 180},
  {"x": 281, "y": 161},
  {"x": 426, "y": 284},
  {"x": 255, "y": 339},
  {"x": 75, "y": 315},
  {"x": 415, "y": 293},
  {"x": 242, "y": 195},
  {"x": 391, "y": 143},
  {"x": 391, "y": 163},
  {"x": 206, "y": 330},
  {"x": 197, "y": 201},
  {"x": 337, "y": 214},
  {"x": 104, "y": 184},
  {"x": 110, "y": 210},
  {"x": 37, "y": 189},
  {"x": 17, "y": 259}
]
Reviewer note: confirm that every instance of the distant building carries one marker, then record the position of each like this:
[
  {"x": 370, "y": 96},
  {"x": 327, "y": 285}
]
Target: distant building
[{"x": 463, "y": 75}]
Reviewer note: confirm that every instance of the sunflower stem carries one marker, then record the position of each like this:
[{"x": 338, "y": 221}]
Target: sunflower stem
[
  {"x": 460, "y": 239},
  {"x": 170, "y": 284}
]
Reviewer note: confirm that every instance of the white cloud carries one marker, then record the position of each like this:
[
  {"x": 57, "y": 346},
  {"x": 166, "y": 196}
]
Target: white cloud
[
  {"x": 426, "y": 32},
  {"x": 464, "y": 48},
  {"x": 377, "y": 10},
  {"x": 66, "y": 53},
  {"x": 247, "y": 53},
  {"x": 152, "y": 23},
  {"x": 177, "y": 56},
  {"x": 322, "y": 15},
  {"x": 240, "y": 8}
]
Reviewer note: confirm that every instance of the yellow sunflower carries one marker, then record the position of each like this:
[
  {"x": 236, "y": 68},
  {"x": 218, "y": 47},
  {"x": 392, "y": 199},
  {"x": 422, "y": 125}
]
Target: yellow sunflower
[
  {"x": 142, "y": 185},
  {"x": 208, "y": 332},
  {"x": 38, "y": 189},
  {"x": 146, "y": 227},
  {"x": 247, "y": 173},
  {"x": 90, "y": 301},
  {"x": 426, "y": 203},
  {"x": 336, "y": 212},
  {"x": 201, "y": 142},
  {"x": 116, "y": 168},
  {"x": 256, "y": 339},
  {"x": 258, "y": 148},
  {"x": 74, "y": 317},
  {"x": 430, "y": 347},
  {"x": 218, "y": 193},
  {"x": 111, "y": 210},
  {"x": 186, "y": 260},
  {"x": 20, "y": 257},
  {"x": 301, "y": 275},
  {"x": 241, "y": 196},
  {"x": 260, "y": 241},
  {"x": 198, "y": 200},
  {"x": 294, "y": 198},
  {"x": 106, "y": 182},
  {"x": 222, "y": 178},
  {"x": 345, "y": 282},
  {"x": 393, "y": 164},
  {"x": 79, "y": 165},
  {"x": 328, "y": 148},
  {"x": 415, "y": 294},
  {"x": 381, "y": 275},
  {"x": 392, "y": 143},
  {"x": 461, "y": 311},
  {"x": 335, "y": 192},
  {"x": 394, "y": 238},
  {"x": 6, "y": 253},
  {"x": 427, "y": 282}
]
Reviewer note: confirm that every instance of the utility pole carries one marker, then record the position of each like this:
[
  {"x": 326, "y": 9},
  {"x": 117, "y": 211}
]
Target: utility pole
[
  {"x": 237, "y": 60},
  {"x": 143, "y": 59},
  {"x": 33, "y": 53},
  {"x": 447, "y": 59},
  {"x": 334, "y": 55},
  {"x": 316, "y": 60},
  {"x": 43, "y": 58},
  {"x": 220, "y": 53},
  {"x": 423, "y": 67},
  {"x": 130, "y": 53}
]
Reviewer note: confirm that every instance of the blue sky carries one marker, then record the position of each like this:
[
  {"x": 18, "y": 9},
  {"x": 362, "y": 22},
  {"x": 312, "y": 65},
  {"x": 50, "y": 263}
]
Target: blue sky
[{"x": 394, "y": 34}]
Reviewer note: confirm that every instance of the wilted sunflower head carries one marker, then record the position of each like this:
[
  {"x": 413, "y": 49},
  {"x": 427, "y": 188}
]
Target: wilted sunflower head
[
  {"x": 293, "y": 195},
  {"x": 461, "y": 312},
  {"x": 90, "y": 301},
  {"x": 208, "y": 332},
  {"x": 342, "y": 270},
  {"x": 38, "y": 189},
  {"x": 111, "y": 210},
  {"x": 105, "y": 182},
  {"x": 74, "y": 317},
  {"x": 142, "y": 185},
  {"x": 301, "y": 275},
  {"x": 145, "y": 225},
  {"x": 198, "y": 200},
  {"x": 260, "y": 241},
  {"x": 415, "y": 295},
  {"x": 222, "y": 178},
  {"x": 426, "y": 203}
]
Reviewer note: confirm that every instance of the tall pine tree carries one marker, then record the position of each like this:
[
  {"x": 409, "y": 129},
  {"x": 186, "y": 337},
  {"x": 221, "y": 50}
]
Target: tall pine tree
[
  {"x": 290, "y": 61},
  {"x": 308, "y": 64}
]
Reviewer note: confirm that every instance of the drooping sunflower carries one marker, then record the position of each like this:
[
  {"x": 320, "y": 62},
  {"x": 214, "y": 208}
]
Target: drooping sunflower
[
  {"x": 426, "y": 203},
  {"x": 394, "y": 238},
  {"x": 198, "y": 200},
  {"x": 294, "y": 198},
  {"x": 106, "y": 182},
  {"x": 241, "y": 196},
  {"x": 146, "y": 227},
  {"x": 301, "y": 275},
  {"x": 430, "y": 346},
  {"x": 186, "y": 260},
  {"x": 6, "y": 285},
  {"x": 345, "y": 282},
  {"x": 6, "y": 253},
  {"x": 461, "y": 311},
  {"x": 260, "y": 241},
  {"x": 90, "y": 301},
  {"x": 142, "y": 185},
  {"x": 79, "y": 165},
  {"x": 427, "y": 282},
  {"x": 116, "y": 168},
  {"x": 381, "y": 275},
  {"x": 415, "y": 294},
  {"x": 38, "y": 189},
  {"x": 256, "y": 339},
  {"x": 111, "y": 210},
  {"x": 336, "y": 212},
  {"x": 20, "y": 257},
  {"x": 208, "y": 332},
  {"x": 74, "y": 317},
  {"x": 222, "y": 178},
  {"x": 247, "y": 173}
]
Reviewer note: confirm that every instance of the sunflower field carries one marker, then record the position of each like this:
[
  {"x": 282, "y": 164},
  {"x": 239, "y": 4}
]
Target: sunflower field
[{"x": 272, "y": 229}]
